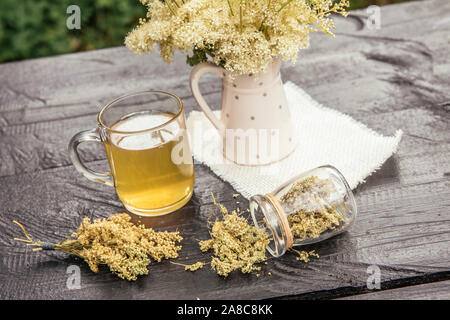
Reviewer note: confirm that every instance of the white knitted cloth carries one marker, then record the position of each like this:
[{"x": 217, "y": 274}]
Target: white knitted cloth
[{"x": 325, "y": 136}]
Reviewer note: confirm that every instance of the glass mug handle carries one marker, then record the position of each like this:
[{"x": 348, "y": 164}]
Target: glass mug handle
[{"x": 87, "y": 136}]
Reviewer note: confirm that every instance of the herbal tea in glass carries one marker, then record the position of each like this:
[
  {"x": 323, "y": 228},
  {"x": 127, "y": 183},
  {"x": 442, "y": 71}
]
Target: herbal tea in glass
[
  {"x": 145, "y": 174},
  {"x": 145, "y": 139}
]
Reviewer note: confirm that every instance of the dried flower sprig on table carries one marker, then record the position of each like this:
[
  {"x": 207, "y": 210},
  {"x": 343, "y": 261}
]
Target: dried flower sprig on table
[
  {"x": 303, "y": 255},
  {"x": 190, "y": 267},
  {"x": 235, "y": 244},
  {"x": 243, "y": 36},
  {"x": 125, "y": 248}
]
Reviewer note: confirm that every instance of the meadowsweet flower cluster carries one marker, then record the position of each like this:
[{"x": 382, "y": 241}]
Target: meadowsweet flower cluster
[
  {"x": 235, "y": 245},
  {"x": 310, "y": 221},
  {"x": 243, "y": 36},
  {"x": 305, "y": 256},
  {"x": 127, "y": 249},
  {"x": 124, "y": 247}
]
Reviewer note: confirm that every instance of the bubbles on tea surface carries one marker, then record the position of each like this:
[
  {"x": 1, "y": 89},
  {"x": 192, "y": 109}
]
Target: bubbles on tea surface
[{"x": 146, "y": 140}]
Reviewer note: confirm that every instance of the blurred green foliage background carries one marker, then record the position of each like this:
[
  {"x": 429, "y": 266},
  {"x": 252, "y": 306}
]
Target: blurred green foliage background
[{"x": 37, "y": 28}]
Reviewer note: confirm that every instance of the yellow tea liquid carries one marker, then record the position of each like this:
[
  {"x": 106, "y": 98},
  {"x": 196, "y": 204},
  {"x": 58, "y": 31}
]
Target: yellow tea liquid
[{"x": 147, "y": 179}]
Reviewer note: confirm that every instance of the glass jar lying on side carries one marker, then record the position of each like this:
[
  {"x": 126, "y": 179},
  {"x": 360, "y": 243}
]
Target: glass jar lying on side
[{"x": 311, "y": 207}]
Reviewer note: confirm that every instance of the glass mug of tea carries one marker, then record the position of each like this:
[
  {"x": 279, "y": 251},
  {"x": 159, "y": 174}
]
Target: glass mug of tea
[{"x": 145, "y": 139}]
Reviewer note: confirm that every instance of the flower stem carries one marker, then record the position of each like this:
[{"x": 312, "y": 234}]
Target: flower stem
[
  {"x": 240, "y": 15},
  {"x": 170, "y": 8},
  {"x": 175, "y": 1},
  {"x": 231, "y": 9},
  {"x": 30, "y": 242},
  {"x": 284, "y": 5},
  {"x": 24, "y": 231},
  {"x": 261, "y": 27}
]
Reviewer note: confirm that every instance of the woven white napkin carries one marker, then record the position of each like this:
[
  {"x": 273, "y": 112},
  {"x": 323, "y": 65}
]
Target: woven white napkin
[{"x": 325, "y": 136}]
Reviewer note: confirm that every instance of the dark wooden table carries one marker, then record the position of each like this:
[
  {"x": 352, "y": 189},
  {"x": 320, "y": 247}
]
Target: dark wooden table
[{"x": 394, "y": 77}]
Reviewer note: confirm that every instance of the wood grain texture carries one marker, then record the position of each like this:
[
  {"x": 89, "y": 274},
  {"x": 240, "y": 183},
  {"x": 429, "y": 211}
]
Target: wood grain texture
[
  {"x": 430, "y": 291},
  {"x": 395, "y": 77}
]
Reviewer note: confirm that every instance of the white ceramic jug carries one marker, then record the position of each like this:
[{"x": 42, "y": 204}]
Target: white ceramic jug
[{"x": 255, "y": 122}]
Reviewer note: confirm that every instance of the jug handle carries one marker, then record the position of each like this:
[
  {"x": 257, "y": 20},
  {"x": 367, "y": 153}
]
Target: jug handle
[{"x": 196, "y": 73}]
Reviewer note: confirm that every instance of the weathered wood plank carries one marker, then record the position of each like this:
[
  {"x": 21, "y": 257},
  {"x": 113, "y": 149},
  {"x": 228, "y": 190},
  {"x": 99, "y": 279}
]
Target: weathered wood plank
[
  {"x": 403, "y": 243},
  {"x": 430, "y": 291},
  {"x": 396, "y": 77}
]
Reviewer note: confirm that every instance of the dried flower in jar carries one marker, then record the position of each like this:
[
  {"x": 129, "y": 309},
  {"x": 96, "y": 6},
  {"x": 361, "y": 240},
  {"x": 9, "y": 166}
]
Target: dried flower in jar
[
  {"x": 311, "y": 207},
  {"x": 310, "y": 219}
]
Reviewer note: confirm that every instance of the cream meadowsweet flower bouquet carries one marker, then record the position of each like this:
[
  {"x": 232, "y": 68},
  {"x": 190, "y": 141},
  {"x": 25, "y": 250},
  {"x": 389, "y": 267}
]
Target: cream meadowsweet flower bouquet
[{"x": 242, "y": 36}]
